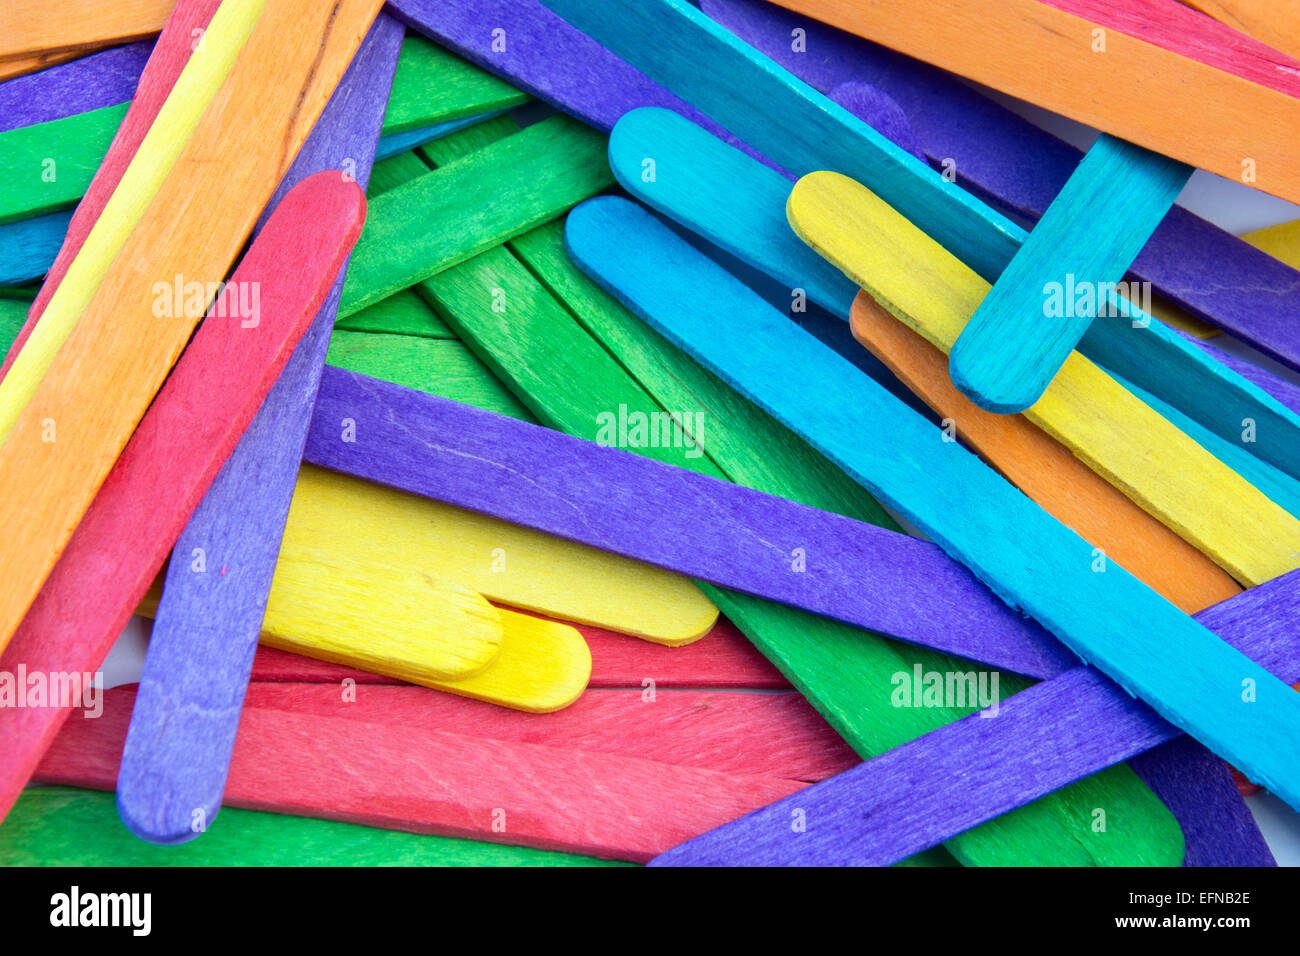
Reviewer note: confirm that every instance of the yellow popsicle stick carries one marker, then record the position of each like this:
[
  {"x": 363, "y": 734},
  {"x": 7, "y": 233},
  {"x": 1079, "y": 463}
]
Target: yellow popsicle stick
[
  {"x": 194, "y": 90},
  {"x": 1117, "y": 435},
  {"x": 334, "y": 515},
  {"x": 1281, "y": 242}
]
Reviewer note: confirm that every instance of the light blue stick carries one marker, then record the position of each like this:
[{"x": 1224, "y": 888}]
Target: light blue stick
[{"x": 28, "y": 247}]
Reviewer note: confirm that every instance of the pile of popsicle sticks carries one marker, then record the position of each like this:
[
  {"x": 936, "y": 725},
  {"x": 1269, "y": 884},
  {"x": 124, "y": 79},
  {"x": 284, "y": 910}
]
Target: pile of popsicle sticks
[{"x": 412, "y": 608}]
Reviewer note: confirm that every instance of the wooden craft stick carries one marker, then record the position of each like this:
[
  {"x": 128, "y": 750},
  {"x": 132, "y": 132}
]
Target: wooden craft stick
[
  {"x": 1130, "y": 445},
  {"x": 390, "y": 146},
  {"x": 1042, "y": 567},
  {"x": 31, "y": 27},
  {"x": 1046, "y": 471},
  {"x": 814, "y": 560},
  {"x": 28, "y": 247},
  {"x": 192, "y": 425},
  {"x": 893, "y": 805},
  {"x": 429, "y": 224},
  {"x": 61, "y": 826},
  {"x": 334, "y": 515},
  {"x": 102, "y": 79},
  {"x": 120, "y": 349},
  {"x": 402, "y": 314},
  {"x": 1020, "y": 167},
  {"x": 19, "y": 66},
  {"x": 1275, "y": 23},
  {"x": 207, "y": 625},
  {"x": 1048, "y": 57},
  {"x": 160, "y": 149},
  {"x": 443, "y": 783},
  {"x": 1022, "y": 333},
  {"x": 433, "y": 85},
  {"x": 48, "y": 166}
]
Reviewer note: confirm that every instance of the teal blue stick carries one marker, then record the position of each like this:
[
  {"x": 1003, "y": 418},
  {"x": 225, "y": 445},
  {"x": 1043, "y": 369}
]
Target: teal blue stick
[
  {"x": 400, "y": 142},
  {"x": 1110, "y": 619},
  {"x": 1031, "y": 320}
]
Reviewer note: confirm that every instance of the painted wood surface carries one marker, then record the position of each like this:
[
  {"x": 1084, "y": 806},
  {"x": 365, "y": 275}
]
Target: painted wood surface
[
  {"x": 1275, "y": 23},
  {"x": 443, "y": 783},
  {"x": 440, "y": 219},
  {"x": 208, "y": 621},
  {"x": 62, "y": 826},
  {"x": 432, "y": 84},
  {"x": 1194, "y": 679},
  {"x": 1012, "y": 163},
  {"x": 48, "y": 166},
  {"x": 1127, "y": 443},
  {"x": 174, "y": 454},
  {"x": 1044, "y": 55},
  {"x": 29, "y": 26},
  {"x": 1045, "y": 470},
  {"x": 402, "y": 314},
  {"x": 101, "y": 79},
  {"x": 726, "y": 534},
  {"x": 28, "y": 247},
  {"x": 889, "y": 807},
  {"x": 1013, "y": 346},
  {"x": 121, "y": 351},
  {"x": 16, "y": 66}
]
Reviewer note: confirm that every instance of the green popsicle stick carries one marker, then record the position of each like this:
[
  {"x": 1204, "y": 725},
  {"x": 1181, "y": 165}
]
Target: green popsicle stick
[{"x": 433, "y": 85}]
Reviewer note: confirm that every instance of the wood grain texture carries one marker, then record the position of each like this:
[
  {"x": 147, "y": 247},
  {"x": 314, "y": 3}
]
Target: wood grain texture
[
  {"x": 29, "y": 26},
  {"x": 447, "y": 149},
  {"x": 101, "y": 79},
  {"x": 1129, "y": 444},
  {"x": 62, "y": 826},
  {"x": 1276, "y": 23},
  {"x": 113, "y": 363},
  {"x": 402, "y": 314},
  {"x": 1045, "y": 470},
  {"x": 433, "y": 85},
  {"x": 1029, "y": 559},
  {"x": 334, "y": 516},
  {"x": 48, "y": 166},
  {"x": 208, "y": 621},
  {"x": 1008, "y": 161},
  {"x": 716, "y": 531},
  {"x": 444, "y": 783},
  {"x": 18, "y": 66},
  {"x": 1013, "y": 346},
  {"x": 891, "y": 806},
  {"x": 28, "y": 247},
  {"x": 722, "y": 660},
  {"x": 1044, "y": 55},
  {"x": 179, "y": 446},
  {"x": 141, "y": 183},
  {"x": 448, "y": 215},
  {"x": 790, "y": 123}
]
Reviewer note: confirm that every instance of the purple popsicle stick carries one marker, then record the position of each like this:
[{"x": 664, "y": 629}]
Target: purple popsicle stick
[
  {"x": 538, "y": 51},
  {"x": 102, "y": 79},
  {"x": 1019, "y": 168},
  {"x": 965, "y": 773},
  {"x": 880, "y": 111},
  {"x": 703, "y": 527},
  {"x": 182, "y": 731}
]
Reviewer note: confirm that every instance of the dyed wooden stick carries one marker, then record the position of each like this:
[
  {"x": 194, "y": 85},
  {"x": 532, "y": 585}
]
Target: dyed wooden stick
[
  {"x": 1051, "y": 58},
  {"x": 61, "y": 826},
  {"x": 1015, "y": 343},
  {"x": 48, "y": 166},
  {"x": 1045, "y": 470},
  {"x": 1040, "y": 566},
  {"x": 1129, "y": 444},
  {"x": 201, "y": 647},
  {"x": 28, "y": 247},
  {"x": 29, "y": 26},
  {"x": 89, "y": 83},
  {"x": 956, "y": 776},
  {"x": 174, "y": 453},
  {"x": 432, "y": 84},
  {"x": 448, "y": 784},
  {"x": 16, "y": 66},
  {"x": 434, "y": 222},
  {"x": 401, "y": 142},
  {"x": 207, "y": 207},
  {"x": 1275, "y": 23},
  {"x": 402, "y": 314}
]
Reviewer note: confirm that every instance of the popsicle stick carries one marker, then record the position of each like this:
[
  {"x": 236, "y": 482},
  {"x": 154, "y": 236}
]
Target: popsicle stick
[
  {"x": 443, "y": 783},
  {"x": 447, "y": 149},
  {"x": 1133, "y": 447},
  {"x": 1015, "y": 343},
  {"x": 402, "y": 314},
  {"x": 47, "y": 166},
  {"x": 207, "y": 625},
  {"x": 334, "y": 516},
  {"x": 960, "y": 774},
  {"x": 190, "y": 428},
  {"x": 1274, "y": 23},
  {"x": 1044, "y": 55},
  {"x": 18, "y": 66},
  {"x": 28, "y": 247},
  {"x": 29, "y": 26},
  {"x": 722, "y": 660},
  {"x": 204, "y": 212},
  {"x": 1043, "y": 568},
  {"x": 401, "y": 142},
  {"x": 725, "y": 534},
  {"x": 61, "y": 826},
  {"x": 433, "y": 85},
  {"x": 88, "y": 83},
  {"x": 1046, "y": 471},
  {"x": 169, "y": 57},
  {"x": 438, "y": 220}
]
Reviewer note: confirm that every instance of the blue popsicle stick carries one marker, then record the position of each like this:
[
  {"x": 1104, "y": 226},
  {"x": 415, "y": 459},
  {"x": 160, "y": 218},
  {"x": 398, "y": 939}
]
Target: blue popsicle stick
[
  {"x": 1189, "y": 676},
  {"x": 182, "y": 731},
  {"x": 28, "y": 247},
  {"x": 401, "y": 142}
]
